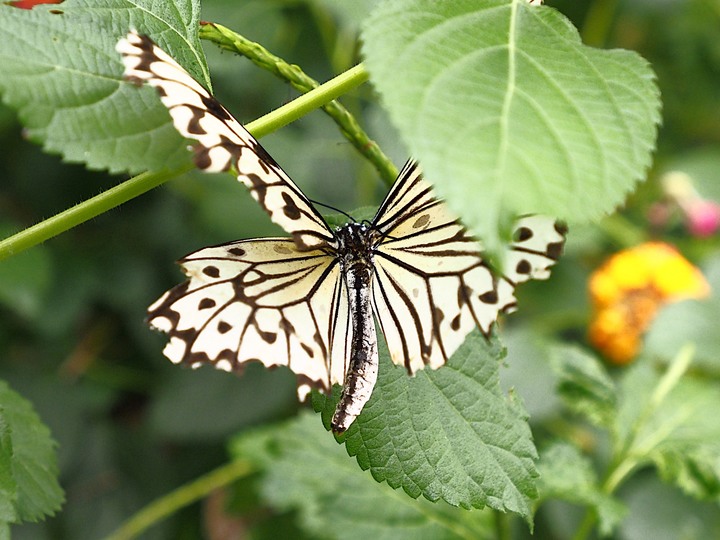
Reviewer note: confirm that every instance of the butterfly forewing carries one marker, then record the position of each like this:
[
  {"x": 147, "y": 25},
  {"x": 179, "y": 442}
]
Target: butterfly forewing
[
  {"x": 222, "y": 142},
  {"x": 257, "y": 300}
]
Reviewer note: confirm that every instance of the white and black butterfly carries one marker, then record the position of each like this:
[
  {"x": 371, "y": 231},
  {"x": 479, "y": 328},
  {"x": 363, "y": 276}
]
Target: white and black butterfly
[{"x": 307, "y": 302}]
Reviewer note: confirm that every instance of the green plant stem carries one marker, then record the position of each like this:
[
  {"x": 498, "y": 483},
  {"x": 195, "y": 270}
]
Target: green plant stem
[
  {"x": 182, "y": 496},
  {"x": 144, "y": 182},
  {"x": 231, "y": 41},
  {"x": 631, "y": 453}
]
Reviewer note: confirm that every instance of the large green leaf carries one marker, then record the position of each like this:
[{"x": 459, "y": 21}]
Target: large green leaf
[
  {"x": 447, "y": 434},
  {"x": 62, "y": 74},
  {"x": 305, "y": 470},
  {"x": 500, "y": 100}
]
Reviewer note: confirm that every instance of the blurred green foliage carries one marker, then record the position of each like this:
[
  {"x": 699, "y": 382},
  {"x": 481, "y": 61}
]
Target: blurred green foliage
[{"x": 131, "y": 427}]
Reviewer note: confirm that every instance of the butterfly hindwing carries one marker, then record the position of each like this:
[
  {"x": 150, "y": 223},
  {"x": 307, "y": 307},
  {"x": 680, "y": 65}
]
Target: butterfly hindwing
[
  {"x": 221, "y": 142},
  {"x": 430, "y": 275},
  {"x": 258, "y": 300}
]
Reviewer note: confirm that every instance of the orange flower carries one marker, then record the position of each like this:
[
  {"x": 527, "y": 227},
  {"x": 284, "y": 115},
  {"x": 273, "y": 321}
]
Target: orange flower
[{"x": 629, "y": 289}]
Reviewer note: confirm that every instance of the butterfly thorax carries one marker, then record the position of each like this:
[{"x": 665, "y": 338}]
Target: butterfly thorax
[{"x": 356, "y": 242}]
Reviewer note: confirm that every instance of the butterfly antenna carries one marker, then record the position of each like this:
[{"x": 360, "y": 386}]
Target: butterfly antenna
[{"x": 318, "y": 203}]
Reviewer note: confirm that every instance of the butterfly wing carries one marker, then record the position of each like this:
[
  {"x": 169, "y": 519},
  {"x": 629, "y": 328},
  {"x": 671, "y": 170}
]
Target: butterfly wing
[
  {"x": 431, "y": 285},
  {"x": 259, "y": 300},
  {"x": 221, "y": 142}
]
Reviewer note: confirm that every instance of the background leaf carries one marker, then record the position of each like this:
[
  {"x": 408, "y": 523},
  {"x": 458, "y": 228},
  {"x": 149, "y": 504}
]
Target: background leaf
[
  {"x": 32, "y": 465},
  {"x": 566, "y": 474},
  {"x": 584, "y": 385},
  {"x": 691, "y": 321},
  {"x": 680, "y": 435},
  {"x": 305, "y": 470},
  {"x": 501, "y": 98},
  {"x": 658, "y": 511},
  {"x": 447, "y": 434},
  {"x": 62, "y": 74}
]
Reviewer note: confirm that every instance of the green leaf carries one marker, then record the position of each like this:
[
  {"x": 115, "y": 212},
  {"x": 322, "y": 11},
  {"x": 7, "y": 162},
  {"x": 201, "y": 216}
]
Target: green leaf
[
  {"x": 33, "y": 464},
  {"x": 501, "y": 99},
  {"x": 63, "y": 75},
  {"x": 671, "y": 421},
  {"x": 566, "y": 474},
  {"x": 306, "y": 470},
  {"x": 584, "y": 385},
  {"x": 447, "y": 434}
]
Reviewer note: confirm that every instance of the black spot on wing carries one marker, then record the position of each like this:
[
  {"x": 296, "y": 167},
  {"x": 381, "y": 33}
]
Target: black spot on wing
[
  {"x": 555, "y": 249},
  {"x": 523, "y": 233},
  {"x": 238, "y": 252},
  {"x": 211, "y": 271},
  {"x": 206, "y": 303},
  {"x": 291, "y": 209},
  {"x": 523, "y": 267},
  {"x": 224, "y": 327},
  {"x": 455, "y": 323},
  {"x": 490, "y": 297},
  {"x": 268, "y": 337}
]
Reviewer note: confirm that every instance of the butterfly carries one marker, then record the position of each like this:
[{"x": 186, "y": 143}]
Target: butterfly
[{"x": 309, "y": 302}]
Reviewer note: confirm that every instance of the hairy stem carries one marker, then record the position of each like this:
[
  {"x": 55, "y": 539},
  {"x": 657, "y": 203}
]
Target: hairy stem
[
  {"x": 230, "y": 41},
  {"x": 179, "y": 498}
]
